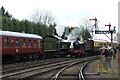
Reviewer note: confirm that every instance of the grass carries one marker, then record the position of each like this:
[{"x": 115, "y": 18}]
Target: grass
[{"x": 102, "y": 69}]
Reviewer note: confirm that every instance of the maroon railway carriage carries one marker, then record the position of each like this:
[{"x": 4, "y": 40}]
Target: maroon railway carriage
[{"x": 20, "y": 45}]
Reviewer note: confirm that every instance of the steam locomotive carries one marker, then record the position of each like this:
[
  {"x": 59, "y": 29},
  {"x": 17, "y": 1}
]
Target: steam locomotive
[{"x": 82, "y": 49}]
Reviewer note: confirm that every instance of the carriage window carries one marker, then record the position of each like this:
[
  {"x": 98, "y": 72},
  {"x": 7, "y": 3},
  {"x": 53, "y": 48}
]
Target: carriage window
[
  {"x": 23, "y": 43},
  {"x": 17, "y": 42},
  {"x": 30, "y": 43},
  {"x": 104, "y": 44},
  {"x": 6, "y": 42},
  {"x": 35, "y": 43},
  {"x": 12, "y": 41},
  {"x": 38, "y": 43},
  {"x": 109, "y": 44},
  {"x": 100, "y": 44},
  {"x": 95, "y": 44}
]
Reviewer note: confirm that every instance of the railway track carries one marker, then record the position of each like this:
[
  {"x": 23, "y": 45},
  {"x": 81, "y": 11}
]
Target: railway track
[
  {"x": 35, "y": 70},
  {"x": 68, "y": 72},
  {"x": 81, "y": 74},
  {"x": 72, "y": 71},
  {"x": 43, "y": 69},
  {"x": 18, "y": 64},
  {"x": 26, "y": 65}
]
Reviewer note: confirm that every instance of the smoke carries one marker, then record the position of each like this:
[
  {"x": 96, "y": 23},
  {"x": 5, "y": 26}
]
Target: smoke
[{"x": 75, "y": 33}]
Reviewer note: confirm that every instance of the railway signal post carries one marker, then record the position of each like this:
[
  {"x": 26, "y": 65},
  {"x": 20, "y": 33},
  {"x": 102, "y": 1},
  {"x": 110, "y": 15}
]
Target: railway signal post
[
  {"x": 95, "y": 19},
  {"x": 110, "y": 31}
]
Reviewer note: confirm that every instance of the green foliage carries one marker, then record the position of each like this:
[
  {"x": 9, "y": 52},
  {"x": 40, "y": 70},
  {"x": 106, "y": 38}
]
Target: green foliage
[{"x": 11, "y": 24}]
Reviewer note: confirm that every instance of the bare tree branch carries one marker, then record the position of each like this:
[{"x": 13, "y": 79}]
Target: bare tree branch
[{"x": 44, "y": 17}]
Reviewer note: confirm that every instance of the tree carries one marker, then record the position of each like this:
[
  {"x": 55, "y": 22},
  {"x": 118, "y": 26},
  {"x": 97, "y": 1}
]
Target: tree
[
  {"x": 5, "y": 13},
  {"x": 44, "y": 17},
  {"x": 45, "y": 22},
  {"x": 15, "y": 26},
  {"x": 5, "y": 21},
  {"x": 8, "y": 15},
  {"x": 41, "y": 28},
  {"x": 0, "y": 19},
  {"x": 85, "y": 34},
  {"x": 86, "y": 24},
  {"x": 21, "y": 25},
  {"x": 2, "y": 10}
]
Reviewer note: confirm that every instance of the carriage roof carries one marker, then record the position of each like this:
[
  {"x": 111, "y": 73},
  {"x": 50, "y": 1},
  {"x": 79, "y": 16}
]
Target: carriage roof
[
  {"x": 57, "y": 37},
  {"x": 102, "y": 40},
  {"x": 17, "y": 34}
]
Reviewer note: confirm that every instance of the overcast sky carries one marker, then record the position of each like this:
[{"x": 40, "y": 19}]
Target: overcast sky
[{"x": 66, "y": 12}]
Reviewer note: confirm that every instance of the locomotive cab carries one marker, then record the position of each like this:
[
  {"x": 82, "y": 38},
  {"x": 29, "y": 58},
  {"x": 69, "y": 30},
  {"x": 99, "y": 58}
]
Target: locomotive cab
[
  {"x": 78, "y": 49},
  {"x": 78, "y": 45}
]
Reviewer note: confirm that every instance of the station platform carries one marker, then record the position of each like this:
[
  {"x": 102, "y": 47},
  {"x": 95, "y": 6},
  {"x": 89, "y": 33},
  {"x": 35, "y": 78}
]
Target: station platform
[{"x": 97, "y": 70}]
